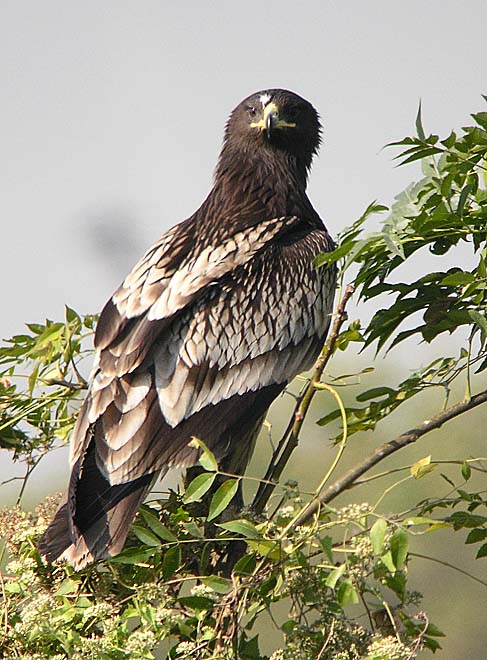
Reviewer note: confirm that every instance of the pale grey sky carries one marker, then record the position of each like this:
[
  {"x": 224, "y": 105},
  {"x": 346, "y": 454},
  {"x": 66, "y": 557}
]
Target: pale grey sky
[{"x": 112, "y": 115}]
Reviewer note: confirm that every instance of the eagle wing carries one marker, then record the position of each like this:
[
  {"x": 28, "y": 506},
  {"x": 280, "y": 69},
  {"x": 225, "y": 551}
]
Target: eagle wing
[
  {"x": 194, "y": 342},
  {"x": 231, "y": 320}
]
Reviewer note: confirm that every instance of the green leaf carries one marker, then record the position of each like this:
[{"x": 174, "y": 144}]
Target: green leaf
[
  {"x": 399, "y": 547},
  {"x": 462, "y": 200},
  {"x": 148, "y": 538},
  {"x": 375, "y": 393},
  {"x": 156, "y": 526},
  {"x": 207, "y": 459},
  {"x": 450, "y": 140},
  {"x": 192, "y": 528},
  {"x": 482, "y": 552},
  {"x": 466, "y": 471},
  {"x": 198, "y": 487},
  {"x": 267, "y": 586},
  {"x": 386, "y": 559},
  {"x": 33, "y": 378},
  {"x": 481, "y": 119},
  {"x": 334, "y": 576},
  {"x": 335, "y": 255},
  {"x": 347, "y": 594},
  {"x": 419, "y": 125},
  {"x": 67, "y": 586},
  {"x": 249, "y": 649},
  {"x": 421, "y": 520},
  {"x": 460, "y": 278},
  {"x": 219, "y": 584},
  {"x": 13, "y": 588},
  {"x": 327, "y": 546},
  {"x": 133, "y": 556},
  {"x": 71, "y": 314},
  {"x": 222, "y": 498},
  {"x": 245, "y": 564},
  {"x": 422, "y": 467},
  {"x": 268, "y": 549},
  {"x": 335, "y": 414},
  {"x": 243, "y": 527},
  {"x": 461, "y": 519},
  {"x": 377, "y": 534},
  {"x": 171, "y": 561},
  {"x": 476, "y": 535},
  {"x": 480, "y": 320},
  {"x": 196, "y": 602}
]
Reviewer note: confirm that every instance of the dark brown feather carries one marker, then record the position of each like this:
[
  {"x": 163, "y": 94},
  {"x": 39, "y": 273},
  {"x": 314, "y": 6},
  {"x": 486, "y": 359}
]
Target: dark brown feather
[{"x": 204, "y": 333}]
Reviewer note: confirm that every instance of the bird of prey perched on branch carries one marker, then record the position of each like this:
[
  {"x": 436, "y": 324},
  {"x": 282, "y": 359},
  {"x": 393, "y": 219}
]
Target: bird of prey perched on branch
[{"x": 205, "y": 332}]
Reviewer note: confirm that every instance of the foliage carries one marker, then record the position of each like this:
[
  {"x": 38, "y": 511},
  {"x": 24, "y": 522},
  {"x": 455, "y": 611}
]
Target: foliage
[
  {"x": 198, "y": 575},
  {"x": 39, "y": 380}
]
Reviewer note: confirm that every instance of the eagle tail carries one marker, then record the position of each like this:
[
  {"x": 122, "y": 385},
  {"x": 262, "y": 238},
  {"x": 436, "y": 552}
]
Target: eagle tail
[
  {"x": 95, "y": 515},
  {"x": 97, "y": 528}
]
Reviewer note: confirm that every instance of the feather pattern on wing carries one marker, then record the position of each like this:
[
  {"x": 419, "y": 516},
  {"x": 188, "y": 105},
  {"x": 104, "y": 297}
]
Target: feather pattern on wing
[{"x": 204, "y": 333}]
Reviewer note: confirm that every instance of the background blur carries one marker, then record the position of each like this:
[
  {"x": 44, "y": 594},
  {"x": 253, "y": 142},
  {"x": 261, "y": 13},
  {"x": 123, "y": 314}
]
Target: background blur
[{"x": 112, "y": 116}]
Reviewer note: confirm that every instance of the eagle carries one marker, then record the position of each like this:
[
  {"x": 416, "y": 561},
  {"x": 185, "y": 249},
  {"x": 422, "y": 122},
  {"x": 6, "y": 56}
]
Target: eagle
[{"x": 218, "y": 316}]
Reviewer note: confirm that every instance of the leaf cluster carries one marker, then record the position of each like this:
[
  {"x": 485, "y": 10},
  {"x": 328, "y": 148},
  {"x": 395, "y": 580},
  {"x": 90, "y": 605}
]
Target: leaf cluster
[
  {"x": 164, "y": 592},
  {"x": 446, "y": 208},
  {"x": 40, "y": 383}
]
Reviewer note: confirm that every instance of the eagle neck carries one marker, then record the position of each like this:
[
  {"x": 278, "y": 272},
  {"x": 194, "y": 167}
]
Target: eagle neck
[{"x": 249, "y": 189}]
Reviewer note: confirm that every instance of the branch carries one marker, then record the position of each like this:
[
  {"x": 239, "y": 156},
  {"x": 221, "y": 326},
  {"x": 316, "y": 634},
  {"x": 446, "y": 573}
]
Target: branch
[
  {"x": 409, "y": 437},
  {"x": 290, "y": 438},
  {"x": 73, "y": 387}
]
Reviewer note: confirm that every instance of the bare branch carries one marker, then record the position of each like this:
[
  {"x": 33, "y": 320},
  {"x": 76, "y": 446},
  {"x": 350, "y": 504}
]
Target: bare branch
[
  {"x": 409, "y": 437},
  {"x": 74, "y": 387}
]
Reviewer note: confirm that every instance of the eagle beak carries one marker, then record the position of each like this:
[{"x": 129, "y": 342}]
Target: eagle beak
[{"x": 270, "y": 120}]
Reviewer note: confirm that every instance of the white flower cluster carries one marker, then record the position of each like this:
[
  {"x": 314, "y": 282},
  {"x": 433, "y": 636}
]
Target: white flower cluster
[
  {"x": 140, "y": 643},
  {"x": 277, "y": 655},
  {"x": 362, "y": 546},
  {"x": 98, "y": 611},
  {"x": 286, "y": 512},
  {"x": 152, "y": 591},
  {"x": 204, "y": 591},
  {"x": 37, "y": 613},
  {"x": 185, "y": 648},
  {"x": 353, "y": 512},
  {"x": 389, "y": 648}
]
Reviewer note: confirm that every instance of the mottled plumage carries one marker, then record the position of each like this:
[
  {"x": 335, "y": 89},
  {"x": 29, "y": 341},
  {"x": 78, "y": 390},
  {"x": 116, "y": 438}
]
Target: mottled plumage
[{"x": 205, "y": 332}]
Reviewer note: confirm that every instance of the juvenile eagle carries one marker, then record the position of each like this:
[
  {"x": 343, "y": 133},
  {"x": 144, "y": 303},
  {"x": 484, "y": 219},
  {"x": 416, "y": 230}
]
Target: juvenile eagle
[{"x": 205, "y": 332}]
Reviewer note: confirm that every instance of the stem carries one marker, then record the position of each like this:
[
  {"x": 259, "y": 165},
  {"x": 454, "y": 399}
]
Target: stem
[
  {"x": 448, "y": 565},
  {"x": 409, "y": 437},
  {"x": 386, "y": 473},
  {"x": 290, "y": 438},
  {"x": 341, "y": 449}
]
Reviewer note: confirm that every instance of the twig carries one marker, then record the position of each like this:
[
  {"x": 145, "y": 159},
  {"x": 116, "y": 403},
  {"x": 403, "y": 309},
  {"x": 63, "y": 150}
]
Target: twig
[
  {"x": 421, "y": 616},
  {"x": 290, "y": 438},
  {"x": 336, "y": 460},
  {"x": 349, "y": 478},
  {"x": 73, "y": 387},
  {"x": 30, "y": 469},
  {"x": 5, "y": 609},
  {"x": 448, "y": 565},
  {"x": 327, "y": 640}
]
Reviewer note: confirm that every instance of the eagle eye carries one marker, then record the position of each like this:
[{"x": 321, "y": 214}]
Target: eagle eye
[{"x": 251, "y": 111}]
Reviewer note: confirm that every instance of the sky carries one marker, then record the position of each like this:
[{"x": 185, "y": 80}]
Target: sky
[{"x": 112, "y": 116}]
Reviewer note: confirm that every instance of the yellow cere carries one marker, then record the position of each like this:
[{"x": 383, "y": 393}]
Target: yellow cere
[{"x": 272, "y": 109}]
